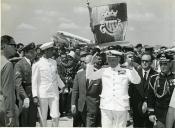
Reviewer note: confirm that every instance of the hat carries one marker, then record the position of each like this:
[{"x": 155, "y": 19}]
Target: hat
[
  {"x": 138, "y": 45},
  {"x": 130, "y": 52},
  {"x": 128, "y": 48},
  {"x": 149, "y": 48},
  {"x": 118, "y": 47},
  {"x": 113, "y": 53},
  {"x": 164, "y": 57},
  {"x": 140, "y": 111},
  {"x": 72, "y": 54},
  {"x": 47, "y": 45},
  {"x": 111, "y": 48},
  {"x": 28, "y": 47}
]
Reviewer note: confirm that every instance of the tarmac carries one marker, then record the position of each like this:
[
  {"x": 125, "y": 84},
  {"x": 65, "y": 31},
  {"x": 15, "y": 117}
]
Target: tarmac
[{"x": 65, "y": 122}]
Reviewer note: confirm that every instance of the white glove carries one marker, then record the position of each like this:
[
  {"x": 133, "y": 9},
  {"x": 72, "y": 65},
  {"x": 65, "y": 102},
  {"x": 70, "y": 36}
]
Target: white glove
[
  {"x": 26, "y": 103},
  {"x": 153, "y": 119},
  {"x": 144, "y": 107},
  {"x": 73, "y": 109}
]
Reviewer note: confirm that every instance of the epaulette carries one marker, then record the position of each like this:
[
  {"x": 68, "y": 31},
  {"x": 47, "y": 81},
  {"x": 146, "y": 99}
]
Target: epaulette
[{"x": 80, "y": 70}]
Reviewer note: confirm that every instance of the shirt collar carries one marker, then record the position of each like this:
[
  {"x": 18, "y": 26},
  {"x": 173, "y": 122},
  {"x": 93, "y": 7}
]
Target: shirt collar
[
  {"x": 143, "y": 71},
  {"x": 116, "y": 68}
]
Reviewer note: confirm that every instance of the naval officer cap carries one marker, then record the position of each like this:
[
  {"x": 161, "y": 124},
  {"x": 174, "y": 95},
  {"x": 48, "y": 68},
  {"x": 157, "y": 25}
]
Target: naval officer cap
[
  {"x": 164, "y": 57},
  {"x": 113, "y": 53},
  {"x": 47, "y": 45},
  {"x": 28, "y": 47}
]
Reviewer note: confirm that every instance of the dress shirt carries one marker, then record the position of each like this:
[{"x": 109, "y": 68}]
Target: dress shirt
[
  {"x": 45, "y": 79},
  {"x": 147, "y": 73},
  {"x": 115, "y": 82}
]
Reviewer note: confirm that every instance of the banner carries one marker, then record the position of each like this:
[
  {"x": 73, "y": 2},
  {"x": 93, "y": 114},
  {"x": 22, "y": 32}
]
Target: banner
[{"x": 109, "y": 22}]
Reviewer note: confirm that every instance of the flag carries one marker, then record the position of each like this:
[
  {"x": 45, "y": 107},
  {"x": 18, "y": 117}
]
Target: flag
[{"x": 108, "y": 22}]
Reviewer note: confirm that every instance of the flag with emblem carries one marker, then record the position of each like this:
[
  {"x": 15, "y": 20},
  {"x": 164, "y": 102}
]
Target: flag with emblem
[{"x": 109, "y": 22}]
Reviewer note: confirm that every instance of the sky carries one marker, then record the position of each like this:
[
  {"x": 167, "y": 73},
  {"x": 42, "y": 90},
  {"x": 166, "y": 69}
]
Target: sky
[{"x": 150, "y": 22}]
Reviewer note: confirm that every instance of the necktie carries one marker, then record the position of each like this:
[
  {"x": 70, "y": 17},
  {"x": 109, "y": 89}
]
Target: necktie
[
  {"x": 87, "y": 83},
  {"x": 144, "y": 79},
  {"x": 145, "y": 75}
]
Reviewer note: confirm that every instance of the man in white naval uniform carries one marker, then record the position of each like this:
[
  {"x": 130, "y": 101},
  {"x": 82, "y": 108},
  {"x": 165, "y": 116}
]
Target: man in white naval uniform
[
  {"x": 170, "y": 119},
  {"x": 114, "y": 102},
  {"x": 45, "y": 83}
]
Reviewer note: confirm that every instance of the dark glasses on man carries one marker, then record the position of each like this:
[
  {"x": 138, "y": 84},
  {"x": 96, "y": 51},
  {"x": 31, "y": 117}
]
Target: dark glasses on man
[
  {"x": 146, "y": 61},
  {"x": 130, "y": 56}
]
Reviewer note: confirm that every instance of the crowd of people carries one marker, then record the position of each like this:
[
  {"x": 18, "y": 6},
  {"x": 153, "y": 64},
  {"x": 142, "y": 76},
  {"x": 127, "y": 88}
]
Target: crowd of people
[{"x": 110, "y": 87}]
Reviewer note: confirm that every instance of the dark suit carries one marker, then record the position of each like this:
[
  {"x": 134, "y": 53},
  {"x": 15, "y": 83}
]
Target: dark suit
[
  {"x": 85, "y": 96},
  {"x": 23, "y": 73},
  {"x": 7, "y": 92},
  {"x": 138, "y": 94}
]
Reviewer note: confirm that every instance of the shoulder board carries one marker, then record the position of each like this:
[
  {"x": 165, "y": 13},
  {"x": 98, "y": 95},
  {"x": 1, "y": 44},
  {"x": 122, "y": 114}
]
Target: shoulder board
[{"x": 80, "y": 70}]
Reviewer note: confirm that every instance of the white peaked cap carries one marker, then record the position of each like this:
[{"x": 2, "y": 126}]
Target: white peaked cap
[
  {"x": 113, "y": 53},
  {"x": 47, "y": 45}
]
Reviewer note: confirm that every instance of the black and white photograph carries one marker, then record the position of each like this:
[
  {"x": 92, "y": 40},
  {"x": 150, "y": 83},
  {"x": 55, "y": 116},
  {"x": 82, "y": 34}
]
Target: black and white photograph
[{"x": 87, "y": 63}]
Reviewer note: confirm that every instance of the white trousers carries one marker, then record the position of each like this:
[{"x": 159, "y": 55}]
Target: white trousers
[
  {"x": 114, "y": 119},
  {"x": 53, "y": 104}
]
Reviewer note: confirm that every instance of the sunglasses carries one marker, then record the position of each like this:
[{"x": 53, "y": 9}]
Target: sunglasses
[
  {"x": 146, "y": 61},
  {"x": 130, "y": 56}
]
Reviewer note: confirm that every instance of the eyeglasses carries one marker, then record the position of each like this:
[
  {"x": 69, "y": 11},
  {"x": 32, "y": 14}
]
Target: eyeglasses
[
  {"x": 130, "y": 56},
  {"x": 146, "y": 61}
]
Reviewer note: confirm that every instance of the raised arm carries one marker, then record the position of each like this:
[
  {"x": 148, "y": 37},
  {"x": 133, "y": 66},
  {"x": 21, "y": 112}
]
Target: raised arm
[
  {"x": 90, "y": 73},
  {"x": 133, "y": 76}
]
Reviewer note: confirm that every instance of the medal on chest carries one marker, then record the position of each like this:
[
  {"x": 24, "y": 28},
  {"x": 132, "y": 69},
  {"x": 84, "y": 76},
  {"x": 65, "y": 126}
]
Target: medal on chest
[{"x": 121, "y": 72}]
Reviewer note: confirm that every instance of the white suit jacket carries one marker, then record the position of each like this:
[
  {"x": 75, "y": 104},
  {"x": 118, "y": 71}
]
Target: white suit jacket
[
  {"x": 114, "y": 94},
  {"x": 45, "y": 79}
]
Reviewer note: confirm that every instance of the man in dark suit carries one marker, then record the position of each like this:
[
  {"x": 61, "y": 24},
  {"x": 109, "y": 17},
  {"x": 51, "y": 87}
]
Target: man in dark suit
[
  {"x": 7, "y": 88},
  {"x": 139, "y": 93},
  {"x": 23, "y": 74},
  {"x": 86, "y": 100}
]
